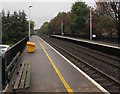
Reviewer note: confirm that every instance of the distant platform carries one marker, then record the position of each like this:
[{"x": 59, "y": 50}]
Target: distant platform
[{"x": 112, "y": 45}]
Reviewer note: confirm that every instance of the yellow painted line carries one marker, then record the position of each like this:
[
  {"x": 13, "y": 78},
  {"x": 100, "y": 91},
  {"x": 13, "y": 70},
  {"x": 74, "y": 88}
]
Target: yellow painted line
[{"x": 57, "y": 71}]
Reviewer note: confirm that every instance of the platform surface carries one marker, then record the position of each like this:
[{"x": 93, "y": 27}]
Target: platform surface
[{"x": 46, "y": 71}]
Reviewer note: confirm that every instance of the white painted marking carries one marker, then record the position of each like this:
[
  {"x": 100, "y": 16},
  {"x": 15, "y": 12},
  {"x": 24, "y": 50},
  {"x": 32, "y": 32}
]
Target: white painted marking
[{"x": 83, "y": 73}]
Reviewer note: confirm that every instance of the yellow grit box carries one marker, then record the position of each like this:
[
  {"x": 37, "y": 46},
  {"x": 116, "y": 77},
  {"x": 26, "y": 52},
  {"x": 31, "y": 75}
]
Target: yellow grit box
[{"x": 31, "y": 47}]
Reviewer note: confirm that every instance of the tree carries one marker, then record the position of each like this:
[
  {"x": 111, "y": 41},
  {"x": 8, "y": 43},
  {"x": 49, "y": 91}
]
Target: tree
[
  {"x": 113, "y": 10},
  {"x": 51, "y": 27},
  {"x": 54, "y": 26},
  {"x": 44, "y": 28},
  {"x": 106, "y": 25},
  {"x": 116, "y": 8},
  {"x": 32, "y": 24},
  {"x": 15, "y": 27},
  {"x": 79, "y": 17}
]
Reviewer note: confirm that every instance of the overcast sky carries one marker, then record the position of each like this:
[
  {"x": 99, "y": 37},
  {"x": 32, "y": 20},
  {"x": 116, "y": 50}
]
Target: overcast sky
[{"x": 41, "y": 11}]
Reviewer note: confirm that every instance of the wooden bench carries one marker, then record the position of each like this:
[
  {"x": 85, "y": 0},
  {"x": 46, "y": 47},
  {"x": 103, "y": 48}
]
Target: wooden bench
[{"x": 23, "y": 77}]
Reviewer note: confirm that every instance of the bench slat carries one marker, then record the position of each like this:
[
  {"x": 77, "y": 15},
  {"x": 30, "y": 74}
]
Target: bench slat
[
  {"x": 19, "y": 77},
  {"x": 23, "y": 76},
  {"x": 28, "y": 76}
]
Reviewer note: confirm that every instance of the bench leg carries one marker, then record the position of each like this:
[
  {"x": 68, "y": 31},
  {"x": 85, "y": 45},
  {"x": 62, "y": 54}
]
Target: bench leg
[{"x": 14, "y": 92}]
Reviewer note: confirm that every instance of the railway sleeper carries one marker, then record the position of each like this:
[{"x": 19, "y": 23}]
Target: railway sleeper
[
  {"x": 100, "y": 79},
  {"x": 91, "y": 72}
]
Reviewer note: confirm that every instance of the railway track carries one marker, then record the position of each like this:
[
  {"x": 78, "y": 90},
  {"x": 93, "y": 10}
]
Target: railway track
[
  {"x": 109, "y": 82},
  {"x": 95, "y": 54},
  {"x": 107, "y": 65}
]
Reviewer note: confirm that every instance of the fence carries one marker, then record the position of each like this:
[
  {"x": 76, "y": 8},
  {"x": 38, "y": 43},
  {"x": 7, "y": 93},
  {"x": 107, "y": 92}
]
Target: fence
[{"x": 8, "y": 58}]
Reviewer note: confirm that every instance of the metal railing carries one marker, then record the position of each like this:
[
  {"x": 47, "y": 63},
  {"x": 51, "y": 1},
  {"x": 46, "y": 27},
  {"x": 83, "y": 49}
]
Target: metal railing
[{"x": 8, "y": 59}]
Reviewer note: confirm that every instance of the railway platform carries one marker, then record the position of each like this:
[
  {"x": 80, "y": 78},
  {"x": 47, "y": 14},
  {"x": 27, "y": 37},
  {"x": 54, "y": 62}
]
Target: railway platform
[
  {"x": 112, "y": 45},
  {"x": 52, "y": 72}
]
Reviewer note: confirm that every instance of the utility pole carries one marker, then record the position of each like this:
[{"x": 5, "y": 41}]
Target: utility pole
[
  {"x": 90, "y": 23},
  {"x": 0, "y": 54},
  {"x": 29, "y": 21},
  {"x": 62, "y": 27}
]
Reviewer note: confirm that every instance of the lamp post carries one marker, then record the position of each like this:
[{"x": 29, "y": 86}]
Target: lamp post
[
  {"x": 0, "y": 54},
  {"x": 29, "y": 21},
  {"x": 90, "y": 23}
]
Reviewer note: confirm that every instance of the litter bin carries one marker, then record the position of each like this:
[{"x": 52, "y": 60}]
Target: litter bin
[{"x": 31, "y": 47}]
